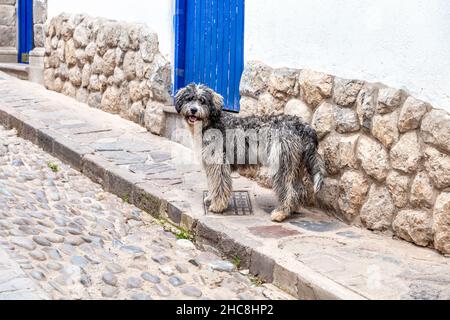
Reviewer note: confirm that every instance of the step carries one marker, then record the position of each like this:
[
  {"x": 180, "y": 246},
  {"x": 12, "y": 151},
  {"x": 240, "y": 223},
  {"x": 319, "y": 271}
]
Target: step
[
  {"x": 311, "y": 256},
  {"x": 172, "y": 126},
  {"x": 18, "y": 70}
]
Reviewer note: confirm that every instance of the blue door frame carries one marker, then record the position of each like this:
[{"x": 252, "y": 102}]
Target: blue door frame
[
  {"x": 209, "y": 46},
  {"x": 25, "y": 22}
]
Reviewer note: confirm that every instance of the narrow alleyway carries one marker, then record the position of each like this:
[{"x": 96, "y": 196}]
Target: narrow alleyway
[
  {"x": 78, "y": 242},
  {"x": 75, "y": 240}
]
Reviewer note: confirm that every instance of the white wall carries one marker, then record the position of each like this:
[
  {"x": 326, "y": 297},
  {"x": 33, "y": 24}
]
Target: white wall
[
  {"x": 157, "y": 14},
  {"x": 404, "y": 44}
]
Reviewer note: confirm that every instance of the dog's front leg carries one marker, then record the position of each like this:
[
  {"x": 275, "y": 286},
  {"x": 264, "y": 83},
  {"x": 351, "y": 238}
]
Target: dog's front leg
[{"x": 220, "y": 186}]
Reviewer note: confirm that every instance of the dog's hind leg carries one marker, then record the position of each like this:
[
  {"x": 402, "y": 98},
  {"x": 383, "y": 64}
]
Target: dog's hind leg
[
  {"x": 288, "y": 191},
  {"x": 220, "y": 186},
  {"x": 285, "y": 182}
]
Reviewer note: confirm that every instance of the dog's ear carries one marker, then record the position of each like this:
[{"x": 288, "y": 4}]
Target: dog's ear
[
  {"x": 182, "y": 96},
  {"x": 216, "y": 105},
  {"x": 217, "y": 100}
]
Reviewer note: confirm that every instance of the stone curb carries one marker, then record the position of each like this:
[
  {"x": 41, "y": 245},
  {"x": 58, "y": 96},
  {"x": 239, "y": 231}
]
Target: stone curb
[{"x": 299, "y": 281}]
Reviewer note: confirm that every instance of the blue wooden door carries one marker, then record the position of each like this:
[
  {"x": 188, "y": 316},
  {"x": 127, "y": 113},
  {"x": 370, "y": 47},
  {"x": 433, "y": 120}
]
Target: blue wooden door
[
  {"x": 25, "y": 21},
  {"x": 210, "y": 46}
]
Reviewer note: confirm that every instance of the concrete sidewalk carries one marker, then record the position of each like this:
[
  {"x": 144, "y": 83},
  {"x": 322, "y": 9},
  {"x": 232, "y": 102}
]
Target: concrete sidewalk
[{"x": 311, "y": 256}]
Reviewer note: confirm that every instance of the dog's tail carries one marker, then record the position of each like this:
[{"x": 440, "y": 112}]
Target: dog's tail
[{"x": 315, "y": 167}]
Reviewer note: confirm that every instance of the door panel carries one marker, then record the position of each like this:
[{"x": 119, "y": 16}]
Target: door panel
[
  {"x": 25, "y": 19},
  {"x": 213, "y": 48}
]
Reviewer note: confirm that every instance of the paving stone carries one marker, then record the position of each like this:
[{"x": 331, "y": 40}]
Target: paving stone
[
  {"x": 38, "y": 255},
  {"x": 60, "y": 221},
  {"x": 176, "y": 281},
  {"x": 161, "y": 259},
  {"x": 54, "y": 238},
  {"x": 221, "y": 265},
  {"x": 55, "y": 266},
  {"x": 132, "y": 250},
  {"x": 181, "y": 268},
  {"x": 16, "y": 233},
  {"x": 319, "y": 226},
  {"x": 38, "y": 275},
  {"x": 114, "y": 268},
  {"x": 24, "y": 243},
  {"x": 109, "y": 292},
  {"x": 110, "y": 279},
  {"x": 166, "y": 270},
  {"x": 141, "y": 296},
  {"x": 79, "y": 261},
  {"x": 150, "y": 278},
  {"x": 276, "y": 232},
  {"x": 185, "y": 244},
  {"x": 53, "y": 253},
  {"x": 42, "y": 241},
  {"x": 60, "y": 232},
  {"x": 29, "y": 230},
  {"x": 191, "y": 291},
  {"x": 74, "y": 241},
  {"x": 134, "y": 283},
  {"x": 75, "y": 231},
  {"x": 162, "y": 290},
  {"x": 86, "y": 280}
]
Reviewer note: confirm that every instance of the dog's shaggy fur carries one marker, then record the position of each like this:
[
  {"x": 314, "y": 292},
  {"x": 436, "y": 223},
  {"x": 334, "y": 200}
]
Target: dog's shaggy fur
[{"x": 290, "y": 145}]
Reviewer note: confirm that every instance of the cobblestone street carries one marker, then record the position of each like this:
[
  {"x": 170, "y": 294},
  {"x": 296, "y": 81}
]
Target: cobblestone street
[{"x": 78, "y": 242}]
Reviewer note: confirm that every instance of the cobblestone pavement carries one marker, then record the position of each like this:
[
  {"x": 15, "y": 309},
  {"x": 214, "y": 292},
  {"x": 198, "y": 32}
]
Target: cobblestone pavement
[{"x": 78, "y": 242}]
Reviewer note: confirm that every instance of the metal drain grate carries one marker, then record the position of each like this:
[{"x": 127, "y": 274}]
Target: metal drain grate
[{"x": 239, "y": 205}]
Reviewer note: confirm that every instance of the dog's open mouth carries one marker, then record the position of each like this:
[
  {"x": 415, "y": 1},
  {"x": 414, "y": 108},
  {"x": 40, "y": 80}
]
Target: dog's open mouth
[{"x": 192, "y": 119}]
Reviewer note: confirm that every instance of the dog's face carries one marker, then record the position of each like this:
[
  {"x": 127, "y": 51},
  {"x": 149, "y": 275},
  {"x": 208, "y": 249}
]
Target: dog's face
[{"x": 198, "y": 103}]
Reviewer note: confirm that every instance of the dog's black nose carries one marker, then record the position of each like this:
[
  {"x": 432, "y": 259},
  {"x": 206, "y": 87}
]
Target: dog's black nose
[{"x": 194, "y": 110}]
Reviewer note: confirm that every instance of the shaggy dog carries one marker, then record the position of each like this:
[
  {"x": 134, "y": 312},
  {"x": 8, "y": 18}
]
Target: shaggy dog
[{"x": 284, "y": 143}]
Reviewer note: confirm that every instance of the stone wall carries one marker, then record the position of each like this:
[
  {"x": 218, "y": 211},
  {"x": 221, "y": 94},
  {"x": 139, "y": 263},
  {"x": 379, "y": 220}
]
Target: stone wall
[
  {"x": 39, "y": 18},
  {"x": 8, "y": 23},
  {"x": 387, "y": 154},
  {"x": 110, "y": 65}
]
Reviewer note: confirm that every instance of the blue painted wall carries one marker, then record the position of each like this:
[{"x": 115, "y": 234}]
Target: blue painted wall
[
  {"x": 209, "y": 44},
  {"x": 25, "y": 21}
]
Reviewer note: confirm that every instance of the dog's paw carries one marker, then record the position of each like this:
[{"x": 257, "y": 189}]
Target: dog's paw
[
  {"x": 279, "y": 216},
  {"x": 217, "y": 207}
]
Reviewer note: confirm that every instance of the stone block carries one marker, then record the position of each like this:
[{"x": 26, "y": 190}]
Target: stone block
[
  {"x": 254, "y": 79},
  {"x": 346, "y": 91},
  {"x": 378, "y": 211},
  {"x": 147, "y": 197},
  {"x": 441, "y": 223},
  {"x": 353, "y": 188},
  {"x": 407, "y": 153},
  {"x": 262, "y": 266},
  {"x": 373, "y": 158},
  {"x": 435, "y": 129},
  {"x": 298, "y": 108},
  {"x": 411, "y": 114},
  {"x": 414, "y": 226},
  {"x": 389, "y": 99},
  {"x": 315, "y": 86},
  {"x": 324, "y": 119},
  {"x": 70, "y": 151},
  {"x": 437, "y": 165}
]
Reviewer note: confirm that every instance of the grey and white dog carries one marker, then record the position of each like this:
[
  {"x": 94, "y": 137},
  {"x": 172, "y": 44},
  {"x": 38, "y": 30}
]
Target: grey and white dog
[{"x": 284, "y": 143}]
